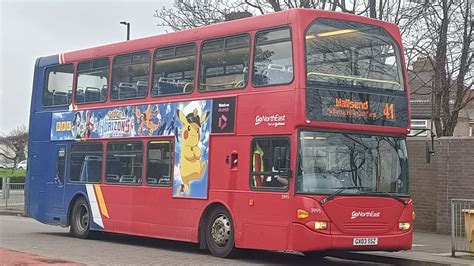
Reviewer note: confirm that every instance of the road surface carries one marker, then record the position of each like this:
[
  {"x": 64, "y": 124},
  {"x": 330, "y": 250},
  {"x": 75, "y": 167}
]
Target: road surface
[{"x": 27, "y": 235}]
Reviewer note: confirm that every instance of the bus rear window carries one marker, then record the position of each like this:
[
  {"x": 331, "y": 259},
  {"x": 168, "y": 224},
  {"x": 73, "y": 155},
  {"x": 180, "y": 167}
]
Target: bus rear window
[
  {"x": 58, "y": 87},
  {"x": 349, "y": 54}
]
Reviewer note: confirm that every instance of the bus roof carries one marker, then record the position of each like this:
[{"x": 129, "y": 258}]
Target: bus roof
[{"x": 215, "y": 31}]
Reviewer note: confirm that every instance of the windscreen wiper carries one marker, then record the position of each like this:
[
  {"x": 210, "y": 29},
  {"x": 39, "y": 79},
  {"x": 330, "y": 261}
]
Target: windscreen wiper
[
  {"x": 341, "y": 189},
  {"x": 388, "y": 194}
]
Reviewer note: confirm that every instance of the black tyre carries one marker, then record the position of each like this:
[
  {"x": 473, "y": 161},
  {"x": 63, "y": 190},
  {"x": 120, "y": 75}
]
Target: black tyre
[
  {"x": 220, "y": 233},
  {"x": 80, "y": 218}
]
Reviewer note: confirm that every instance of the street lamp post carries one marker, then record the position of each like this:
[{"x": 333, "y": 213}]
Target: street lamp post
[{"x": 128, "y": 28}]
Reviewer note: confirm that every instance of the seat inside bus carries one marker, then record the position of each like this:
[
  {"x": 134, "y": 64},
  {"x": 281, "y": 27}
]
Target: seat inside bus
[
  {"x": 166, "y": 86},
  {"x": 80, "y": 97},
  {"x": 91, "y": 169},
  {"x": 142, "y": 88},
  {"x": 122, "y": 171},
  {"x": 158, "y": 168},
  {"x": 126, "y": 90},
  {"x": 55, "y": 98},
  {"x": 92, "y": 94},
  {"x": 275, "y": 73}
]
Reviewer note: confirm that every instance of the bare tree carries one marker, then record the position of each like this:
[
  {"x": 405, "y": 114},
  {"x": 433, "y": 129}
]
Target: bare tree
[
  {"x": 187, "y": 14},
  {"x": 438, "y": 31},
  {"x": 442, "y": 34},
  {"x": 13, "y": 145}
]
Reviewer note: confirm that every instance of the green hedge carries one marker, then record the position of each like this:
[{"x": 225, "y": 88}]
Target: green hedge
[{"x": 18, "y": 176}]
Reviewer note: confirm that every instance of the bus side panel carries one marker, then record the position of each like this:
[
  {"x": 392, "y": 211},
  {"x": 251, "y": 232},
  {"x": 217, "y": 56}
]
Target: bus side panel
[
  {"x": 170, "y": 218},
  {"x": 35, "y": 186},
  {"x": 148, "y": 211},
  {"x": 226, "y": 177},
  {"x": 260, "y": 217}
]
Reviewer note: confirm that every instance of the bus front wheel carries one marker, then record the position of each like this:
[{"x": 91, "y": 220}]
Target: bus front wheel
[
  {"x": 220, "y": 232},
  {"x": 80, "y": 218}
]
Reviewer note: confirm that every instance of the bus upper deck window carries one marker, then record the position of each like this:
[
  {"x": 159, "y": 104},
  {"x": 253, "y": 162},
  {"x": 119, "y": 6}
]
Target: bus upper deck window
[
  {"x": 273, "y": 58},
  {"x": 58, "y": 85},
  {"x": 174, "y": 70},
  {"x": 350, "y": 54},
  {"x": 92, "y": 78},
  {"x": 130, "y": 74},
  {"x": 224, "y": 63}
]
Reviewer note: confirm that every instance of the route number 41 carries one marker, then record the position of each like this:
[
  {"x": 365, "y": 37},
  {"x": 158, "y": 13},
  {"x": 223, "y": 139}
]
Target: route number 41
[{"x": 389, "y": 111}]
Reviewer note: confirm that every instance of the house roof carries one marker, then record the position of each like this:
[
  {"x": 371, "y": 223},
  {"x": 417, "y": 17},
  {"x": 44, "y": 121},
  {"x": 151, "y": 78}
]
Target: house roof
[{"x": 421, "y": 109}]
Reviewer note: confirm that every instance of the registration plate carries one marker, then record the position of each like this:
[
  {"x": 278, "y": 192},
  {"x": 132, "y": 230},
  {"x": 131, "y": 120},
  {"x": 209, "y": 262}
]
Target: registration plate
[{"x": 365, "y": 241}]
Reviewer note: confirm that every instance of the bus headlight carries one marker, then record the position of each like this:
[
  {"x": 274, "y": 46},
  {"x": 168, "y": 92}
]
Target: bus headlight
[
  {"x": 404, "y": 226},
  {"x": 320, "y": 225}
]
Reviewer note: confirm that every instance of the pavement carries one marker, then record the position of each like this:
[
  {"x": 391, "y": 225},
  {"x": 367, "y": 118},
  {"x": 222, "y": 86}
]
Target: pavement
[
  {"x": 27, "y": 242},
  {"x": 428, "y": 249}
]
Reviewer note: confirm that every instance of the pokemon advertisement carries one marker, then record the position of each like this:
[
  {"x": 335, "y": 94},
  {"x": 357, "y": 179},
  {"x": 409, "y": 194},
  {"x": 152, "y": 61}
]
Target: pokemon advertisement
[{"x": 190, "y": 123}]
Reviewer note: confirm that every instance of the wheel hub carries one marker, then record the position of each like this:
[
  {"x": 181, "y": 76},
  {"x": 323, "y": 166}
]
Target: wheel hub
[
  {"x": 82, "y": 218},
  {"x": 220, "y": 230}
]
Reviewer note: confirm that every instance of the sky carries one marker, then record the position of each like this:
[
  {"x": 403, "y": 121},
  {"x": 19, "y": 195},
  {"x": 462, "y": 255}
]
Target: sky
[{"x": 34, "y": 28}]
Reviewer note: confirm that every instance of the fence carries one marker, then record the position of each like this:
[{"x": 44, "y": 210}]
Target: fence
[
  {"x": 462, "y": 226},
  {"x": 12, "y": 196}
]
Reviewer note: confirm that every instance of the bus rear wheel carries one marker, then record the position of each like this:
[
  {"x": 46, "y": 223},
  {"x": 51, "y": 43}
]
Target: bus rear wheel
[
  {"x": 220, "y": 233},
  {"x": 80, "y": 218}
]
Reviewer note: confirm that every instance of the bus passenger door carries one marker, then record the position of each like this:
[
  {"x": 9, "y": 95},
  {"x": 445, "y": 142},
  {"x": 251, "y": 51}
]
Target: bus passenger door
[{"x": 58, "y": 184}]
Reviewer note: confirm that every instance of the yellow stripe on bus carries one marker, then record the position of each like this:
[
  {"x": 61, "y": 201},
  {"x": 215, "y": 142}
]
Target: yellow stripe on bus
[{"x": 100, "y": 199}]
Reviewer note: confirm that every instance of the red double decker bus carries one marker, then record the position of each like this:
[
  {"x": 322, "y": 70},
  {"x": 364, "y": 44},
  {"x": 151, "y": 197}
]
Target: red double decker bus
[{"x": 280, "y": 132}]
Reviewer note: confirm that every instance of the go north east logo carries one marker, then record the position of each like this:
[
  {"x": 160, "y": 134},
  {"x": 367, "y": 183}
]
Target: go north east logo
[
  {"x": 371, "y": 214},
  {"x": 275, "y": 120}
]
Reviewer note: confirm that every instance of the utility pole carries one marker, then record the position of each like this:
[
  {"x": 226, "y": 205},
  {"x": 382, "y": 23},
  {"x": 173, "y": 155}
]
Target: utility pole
[{"x": 128, "y": 28}]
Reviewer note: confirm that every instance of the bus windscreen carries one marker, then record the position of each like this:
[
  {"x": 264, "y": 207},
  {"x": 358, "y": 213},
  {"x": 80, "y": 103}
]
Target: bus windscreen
[{"x": 328, "y": 162}]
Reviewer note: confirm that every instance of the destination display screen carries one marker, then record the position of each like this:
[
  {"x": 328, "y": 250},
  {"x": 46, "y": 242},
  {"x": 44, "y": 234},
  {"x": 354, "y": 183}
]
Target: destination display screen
[{"x": 363, "y": 108}]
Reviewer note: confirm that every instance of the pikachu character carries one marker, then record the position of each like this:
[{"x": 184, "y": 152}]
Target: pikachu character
[
  {"x": 191, "y": 167},
  {"x": 145, "y": 120}
]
